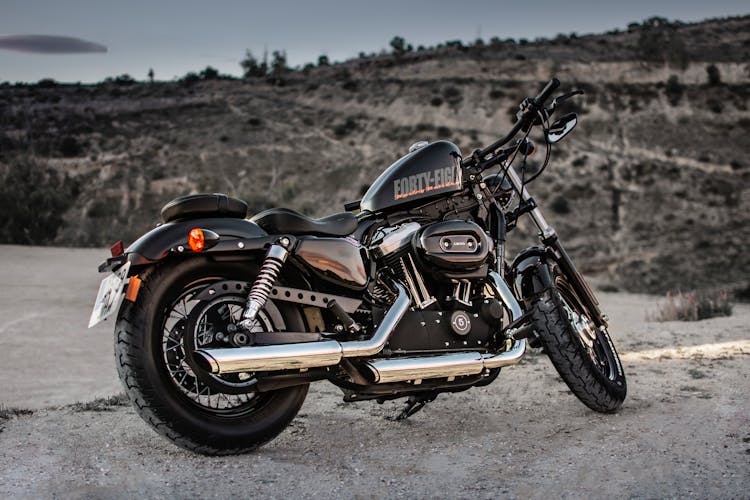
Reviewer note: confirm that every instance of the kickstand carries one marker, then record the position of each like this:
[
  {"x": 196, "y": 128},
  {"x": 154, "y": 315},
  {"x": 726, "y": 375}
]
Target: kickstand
[{"x": 413, "y": 405}]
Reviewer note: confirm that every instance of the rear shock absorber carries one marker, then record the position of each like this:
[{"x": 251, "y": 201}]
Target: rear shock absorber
[{"x": 261, "y": 289}]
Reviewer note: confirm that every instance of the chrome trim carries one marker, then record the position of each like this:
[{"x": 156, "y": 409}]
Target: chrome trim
[
  {"x": 462, "y": 292},
  {"x": 383, "y": 371},
  {"x": 272, "y": 357},
  {"x": 506, "y": 358},
  {"x": 546, "y": 231},
  {"x": 267, "y": 275},
  {"x": 420, "y": 294},
  {"x": 395, "y": 239},
  {"x": 503, "y": 294},
  {"x": 375, "y": 344},
  {"x": 307, "y": 354}
]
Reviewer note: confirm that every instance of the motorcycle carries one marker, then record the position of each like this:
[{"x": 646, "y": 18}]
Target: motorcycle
[{"x": 223, "y": 321}]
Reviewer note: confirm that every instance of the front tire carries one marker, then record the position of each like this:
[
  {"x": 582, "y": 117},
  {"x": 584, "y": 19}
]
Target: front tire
[
  {"x": 211, "y": 423},
  {"x": 582, "y": 354}
]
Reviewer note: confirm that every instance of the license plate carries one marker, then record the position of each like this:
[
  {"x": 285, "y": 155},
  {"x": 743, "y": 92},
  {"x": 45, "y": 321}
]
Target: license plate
[{"x": 110, "y": 295}]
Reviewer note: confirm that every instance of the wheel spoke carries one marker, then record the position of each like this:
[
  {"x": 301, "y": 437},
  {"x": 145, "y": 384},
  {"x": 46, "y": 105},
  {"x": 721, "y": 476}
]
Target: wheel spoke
[{"x": 210, "y": 320}]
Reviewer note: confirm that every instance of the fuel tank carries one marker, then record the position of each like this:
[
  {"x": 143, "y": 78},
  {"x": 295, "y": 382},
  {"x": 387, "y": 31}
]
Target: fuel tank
[{"x": 429, "y": 171}]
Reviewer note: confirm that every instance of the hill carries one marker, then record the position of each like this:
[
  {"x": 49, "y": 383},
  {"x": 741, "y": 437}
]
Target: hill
[{"x": 650, "y": 193}]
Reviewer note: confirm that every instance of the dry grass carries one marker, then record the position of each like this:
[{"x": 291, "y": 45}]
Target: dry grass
[
  {"x": 8, "y": 413},
  {"x": 102, "y": 404},
  {"x": 692, "y": 306}
]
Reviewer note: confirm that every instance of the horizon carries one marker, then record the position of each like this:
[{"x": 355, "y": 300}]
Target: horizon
[{"x": 307, "y": 32}]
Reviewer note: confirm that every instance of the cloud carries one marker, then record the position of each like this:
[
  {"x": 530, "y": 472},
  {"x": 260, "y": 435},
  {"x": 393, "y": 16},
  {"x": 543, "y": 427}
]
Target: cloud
[{"x": 49, "y": 44}]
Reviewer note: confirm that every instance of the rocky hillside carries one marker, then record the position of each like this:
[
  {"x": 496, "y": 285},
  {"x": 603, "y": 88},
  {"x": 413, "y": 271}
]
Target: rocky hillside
[{"x": 651, "y": 192}]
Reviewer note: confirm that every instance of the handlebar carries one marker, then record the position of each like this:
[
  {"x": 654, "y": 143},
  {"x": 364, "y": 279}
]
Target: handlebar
[
  {"x": 530, "y": 107},
  {"x": 547, "y": 92}
]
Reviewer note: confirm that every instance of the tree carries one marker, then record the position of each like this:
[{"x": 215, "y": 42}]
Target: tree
[
  {"x": 278, "y": 63},
  {"x": 714, "y": 75},
  {"x": 151, "y": 75},
  {"x": 209, "y": 73},
  {"x": 659, "y": 41},
  {"x": 26, "y": 183},
  {"x": 252, "y": 68},
  {"x": 323, "y": 60},
  {"x": 399, "y": 46}
]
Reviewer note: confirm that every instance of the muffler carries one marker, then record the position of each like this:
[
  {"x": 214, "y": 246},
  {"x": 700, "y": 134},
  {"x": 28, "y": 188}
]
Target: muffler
[
  {"x": 383, "y": 371},
  {"x": 303, "y": 355}
]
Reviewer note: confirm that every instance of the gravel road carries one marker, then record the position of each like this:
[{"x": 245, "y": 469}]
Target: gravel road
[{"x": 683, "y": 431}]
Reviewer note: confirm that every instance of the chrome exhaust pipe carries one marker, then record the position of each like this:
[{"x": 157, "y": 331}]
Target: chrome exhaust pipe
[
  {"x": 303, "y": 355},
  {"x": 331, "y": 352},
  {"x": 383, "y": 371}
]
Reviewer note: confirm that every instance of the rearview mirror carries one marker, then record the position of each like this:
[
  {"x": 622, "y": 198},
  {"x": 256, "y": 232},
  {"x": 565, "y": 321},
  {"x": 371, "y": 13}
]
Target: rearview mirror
[{"x": 561, "y": 128}]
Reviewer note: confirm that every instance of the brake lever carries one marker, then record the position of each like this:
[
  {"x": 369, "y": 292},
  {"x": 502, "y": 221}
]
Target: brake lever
[{"x": 562, "y": 98}]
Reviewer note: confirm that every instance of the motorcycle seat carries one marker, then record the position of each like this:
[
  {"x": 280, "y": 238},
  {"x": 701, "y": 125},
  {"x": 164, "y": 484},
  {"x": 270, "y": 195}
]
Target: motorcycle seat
[
  {"x": 203, "y": 205},
  {"x": 284, "y": 220}
]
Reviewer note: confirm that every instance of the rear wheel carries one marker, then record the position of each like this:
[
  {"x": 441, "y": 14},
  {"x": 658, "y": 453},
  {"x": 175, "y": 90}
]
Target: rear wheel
[
  {"x": 154, "y": 339},
  {"x": 583, "y": 354}
]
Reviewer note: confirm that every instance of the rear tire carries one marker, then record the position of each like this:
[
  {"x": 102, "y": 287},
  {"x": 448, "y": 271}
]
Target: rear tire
[
  {"x": 156, "y": 395},
  {"x": 589, "y": 366}
]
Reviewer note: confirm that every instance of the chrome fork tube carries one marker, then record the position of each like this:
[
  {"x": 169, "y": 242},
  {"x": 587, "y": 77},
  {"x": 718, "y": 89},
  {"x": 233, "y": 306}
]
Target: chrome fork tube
[{"x": 545, "y": 229}]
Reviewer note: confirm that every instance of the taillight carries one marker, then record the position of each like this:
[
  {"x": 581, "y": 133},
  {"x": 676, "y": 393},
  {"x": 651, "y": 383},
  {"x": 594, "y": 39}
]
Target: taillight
[
  {"x": 117, "y": 249},
  {"x": 196, "y": 241}
]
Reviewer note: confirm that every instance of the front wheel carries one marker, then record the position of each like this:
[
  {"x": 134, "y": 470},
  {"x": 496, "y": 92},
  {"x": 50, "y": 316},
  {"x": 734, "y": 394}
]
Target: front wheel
[
  {"x": 154, "y": 340},
  {"x": 583, "y": 354}
]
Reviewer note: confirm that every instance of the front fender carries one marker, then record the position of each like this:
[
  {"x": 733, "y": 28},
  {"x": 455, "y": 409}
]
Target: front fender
[
  {"x": 531, "y": 273},
  {"x": 158, "y": 243}
]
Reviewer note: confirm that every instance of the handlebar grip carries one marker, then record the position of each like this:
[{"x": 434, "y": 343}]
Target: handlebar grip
[{"x": 547, "y": 91}]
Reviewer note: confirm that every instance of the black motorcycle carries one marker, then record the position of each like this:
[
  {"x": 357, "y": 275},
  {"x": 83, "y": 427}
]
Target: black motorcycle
[{"x": 223, "y": 321}]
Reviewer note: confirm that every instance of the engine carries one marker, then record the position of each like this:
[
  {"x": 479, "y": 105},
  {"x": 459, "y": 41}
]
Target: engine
[{"x": 440, "y": 263}]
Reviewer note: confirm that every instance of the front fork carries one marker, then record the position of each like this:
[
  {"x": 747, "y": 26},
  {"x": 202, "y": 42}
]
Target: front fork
[{"x": 548, "y": 236}]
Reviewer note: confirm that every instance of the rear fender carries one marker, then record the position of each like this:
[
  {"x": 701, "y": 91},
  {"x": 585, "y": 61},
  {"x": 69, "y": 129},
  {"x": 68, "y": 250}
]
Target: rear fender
[{"x": 171, "y": 239}]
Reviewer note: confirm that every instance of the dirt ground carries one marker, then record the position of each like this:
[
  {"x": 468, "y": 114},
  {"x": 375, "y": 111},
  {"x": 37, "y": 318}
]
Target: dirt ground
[{"x": 683, "y": 431}]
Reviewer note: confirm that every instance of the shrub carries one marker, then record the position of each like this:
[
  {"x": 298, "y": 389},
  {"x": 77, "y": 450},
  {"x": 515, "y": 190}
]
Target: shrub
[
  {"x": 674, "y": 90},
  {"x": 209, "y": 73},
  {"x": 693, "y": 306},
  {"x": 580, "y": 161},
  {"x": 345, "y": 128},
  {"x": 436, "y": 101},
  {"x": 560, "y": 205},
  {"x": 715, "y": 105},
  {"x": 46, "y": 83},
  {"x": 496, "y": 94},
  {"x": 452, "y": 95},
  {"x": 25, "y": 184},
  {"x": 714, "y": 76},
  {"x": 124, "y": 80},
  {"x": 70, "y": 147},
  {"x": 443, "y": 132}
]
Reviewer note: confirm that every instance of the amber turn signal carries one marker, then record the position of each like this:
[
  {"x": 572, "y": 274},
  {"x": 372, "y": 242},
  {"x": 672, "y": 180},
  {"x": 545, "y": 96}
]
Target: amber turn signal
[{"x": 196, "y": 242}]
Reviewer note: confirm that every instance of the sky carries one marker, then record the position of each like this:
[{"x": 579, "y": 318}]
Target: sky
[{"x": 177, "y": 36}]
